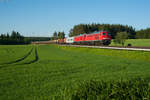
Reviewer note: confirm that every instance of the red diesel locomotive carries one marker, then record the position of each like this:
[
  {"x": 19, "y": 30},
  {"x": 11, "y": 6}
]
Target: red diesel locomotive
[{"x": 96, "y": 38}]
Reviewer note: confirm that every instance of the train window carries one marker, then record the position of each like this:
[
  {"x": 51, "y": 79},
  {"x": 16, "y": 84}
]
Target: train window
[
  {"x": 104, "y": 33},
  {"x": 109, "y": 34}
]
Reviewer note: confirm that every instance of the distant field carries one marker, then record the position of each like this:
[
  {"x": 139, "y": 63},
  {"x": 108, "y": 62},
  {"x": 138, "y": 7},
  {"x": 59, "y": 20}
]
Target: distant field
[
  {"x": 40, "y": 72},
  {"x": 134, "y": 42}
]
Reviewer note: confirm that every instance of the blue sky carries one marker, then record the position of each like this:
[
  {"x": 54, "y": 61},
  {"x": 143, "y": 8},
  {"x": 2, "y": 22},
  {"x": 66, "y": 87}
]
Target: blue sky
[{"x": 43, "y": 17}]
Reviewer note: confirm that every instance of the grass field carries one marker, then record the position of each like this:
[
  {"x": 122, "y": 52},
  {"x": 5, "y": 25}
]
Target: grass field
[
  {"x": 134, "y": 42},
  {"x": 41, "y": 72}
]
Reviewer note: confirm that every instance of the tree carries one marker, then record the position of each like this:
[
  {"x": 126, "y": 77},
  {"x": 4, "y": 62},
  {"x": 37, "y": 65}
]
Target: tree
[
  {"x": 61, "y": 35},
  {"x": 121, "y": 37},
  {"x": 55, "y": 36},
  {"x": 14, "y": 35},
  {"x": 7, "y": 36}
]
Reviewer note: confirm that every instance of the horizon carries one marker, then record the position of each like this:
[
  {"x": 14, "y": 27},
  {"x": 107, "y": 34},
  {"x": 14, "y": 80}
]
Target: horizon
[{"x": 41, "y": 19}]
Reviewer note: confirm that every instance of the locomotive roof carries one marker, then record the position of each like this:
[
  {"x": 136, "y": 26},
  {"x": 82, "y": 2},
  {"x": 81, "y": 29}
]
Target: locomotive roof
[{"x": 91, "y": 33}]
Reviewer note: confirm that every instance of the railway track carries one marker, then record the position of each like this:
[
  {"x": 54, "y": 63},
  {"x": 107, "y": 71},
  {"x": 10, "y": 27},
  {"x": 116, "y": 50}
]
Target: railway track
[{"x": 113, "y": 47}]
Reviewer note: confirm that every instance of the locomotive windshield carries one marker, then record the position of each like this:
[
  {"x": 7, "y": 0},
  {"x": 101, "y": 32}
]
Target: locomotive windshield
[
  {"x": 104, "y": 33},
  {"x": 109, "y": 34}
]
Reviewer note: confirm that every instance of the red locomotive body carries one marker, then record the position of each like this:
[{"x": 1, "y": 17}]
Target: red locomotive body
[
  {"x": 80, "y": 38},
  {"x": 102, "y": 37}
]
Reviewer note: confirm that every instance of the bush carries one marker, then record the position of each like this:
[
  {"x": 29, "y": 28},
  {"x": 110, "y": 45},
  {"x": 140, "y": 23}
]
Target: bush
[
  {"x": 121, "y": 37},
  {"x": 129, "y": 45}
]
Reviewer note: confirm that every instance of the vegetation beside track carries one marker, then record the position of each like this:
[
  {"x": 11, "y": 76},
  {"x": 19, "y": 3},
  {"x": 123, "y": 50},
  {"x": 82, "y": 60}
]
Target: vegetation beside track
[
  {"x": 134, "y": 42},
  {"x": 57, "y": 70}
]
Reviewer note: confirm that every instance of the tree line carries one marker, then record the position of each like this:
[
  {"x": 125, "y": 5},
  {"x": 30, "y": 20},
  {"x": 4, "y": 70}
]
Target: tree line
[
  {"x": 143, "y": 34},
  {"x": 58, "y": 35},
  {"x": 112, "y": 28},
  {"x": 33, "y": 39},
  {"x": 13, "y": 39}
]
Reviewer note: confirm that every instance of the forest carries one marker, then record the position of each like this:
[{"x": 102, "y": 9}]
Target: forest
[
  {"x": 112, "y": 28},
  {"x": 13, "y": 39}
]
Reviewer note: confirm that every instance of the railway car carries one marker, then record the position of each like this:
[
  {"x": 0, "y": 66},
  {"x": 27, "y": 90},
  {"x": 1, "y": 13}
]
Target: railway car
[
  {"x": 96, "y": 38},
  {"x": 70, "y": 40},
  {"x": 62, "y": 41}
]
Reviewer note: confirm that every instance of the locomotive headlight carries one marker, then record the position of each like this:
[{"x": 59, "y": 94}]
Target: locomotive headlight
[{"x": 106, "y": 38}]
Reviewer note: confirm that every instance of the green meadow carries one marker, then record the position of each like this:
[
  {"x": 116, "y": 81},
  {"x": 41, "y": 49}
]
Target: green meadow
[
  {"x": 134, "y": 42},
  {"x": 52, "y": 72}
]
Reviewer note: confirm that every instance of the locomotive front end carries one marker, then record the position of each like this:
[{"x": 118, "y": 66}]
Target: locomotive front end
[{"x": 106, "y": 38}]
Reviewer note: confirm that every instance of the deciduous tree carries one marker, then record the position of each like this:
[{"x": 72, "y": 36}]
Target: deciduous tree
[{"x": 121, "y": 37}]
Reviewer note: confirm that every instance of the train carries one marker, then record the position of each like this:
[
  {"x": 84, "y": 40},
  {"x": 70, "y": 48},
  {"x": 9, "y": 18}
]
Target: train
[{"x": 95, "y": 38}]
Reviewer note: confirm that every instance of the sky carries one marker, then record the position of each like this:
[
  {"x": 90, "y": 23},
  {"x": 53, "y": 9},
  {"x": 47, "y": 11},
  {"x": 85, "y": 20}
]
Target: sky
[{"x": 43, "y": 17}]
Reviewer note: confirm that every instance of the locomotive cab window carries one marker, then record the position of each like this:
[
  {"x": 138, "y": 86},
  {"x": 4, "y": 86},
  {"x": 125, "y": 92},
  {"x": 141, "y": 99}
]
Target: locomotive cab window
[
  {"x": 104, "y": 33},
  {"x": 108, "y": 33}
]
